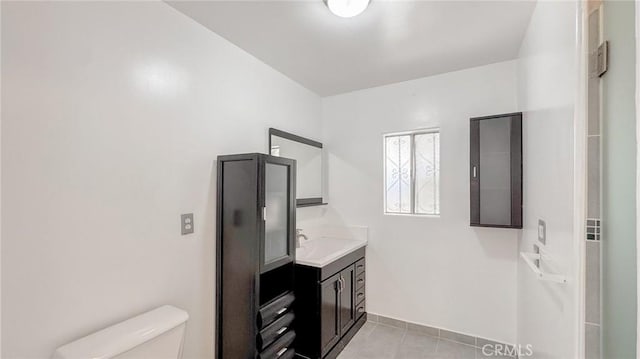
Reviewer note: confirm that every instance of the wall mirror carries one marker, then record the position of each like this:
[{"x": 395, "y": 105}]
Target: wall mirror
[{"x": 308, "y": 155}]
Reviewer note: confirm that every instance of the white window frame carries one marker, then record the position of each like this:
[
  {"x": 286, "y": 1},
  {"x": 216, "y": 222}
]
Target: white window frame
[{"x": 412, "y": 135}]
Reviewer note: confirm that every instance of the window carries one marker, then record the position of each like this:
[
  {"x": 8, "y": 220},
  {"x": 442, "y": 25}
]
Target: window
[{"x": 412, "y": 173}]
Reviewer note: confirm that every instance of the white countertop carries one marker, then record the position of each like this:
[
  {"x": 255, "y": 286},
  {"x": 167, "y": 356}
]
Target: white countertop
[{"x": 318, "y": 252}]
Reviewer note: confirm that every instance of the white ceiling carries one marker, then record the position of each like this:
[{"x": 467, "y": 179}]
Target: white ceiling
[{"x": 391, "y": 41}]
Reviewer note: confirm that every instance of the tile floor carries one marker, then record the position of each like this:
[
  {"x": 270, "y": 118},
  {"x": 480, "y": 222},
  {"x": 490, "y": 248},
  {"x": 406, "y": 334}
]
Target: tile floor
[{"x": 380, "y": 341}]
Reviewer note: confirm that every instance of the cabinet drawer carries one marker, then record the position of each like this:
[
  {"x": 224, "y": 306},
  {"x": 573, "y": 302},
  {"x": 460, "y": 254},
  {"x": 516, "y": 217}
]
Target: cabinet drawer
[
  {"x": 360, "y": 266},
  {"x": 276, "y": 329},
  {"x": 288, "y": 354},
  {"x": 279, "y": 348},
  {"x": 360, "y": 281},
  {"x": 359, "y": 295},
  {"x": 270, "y": 312},
  {"x": 360, "y": 309}
]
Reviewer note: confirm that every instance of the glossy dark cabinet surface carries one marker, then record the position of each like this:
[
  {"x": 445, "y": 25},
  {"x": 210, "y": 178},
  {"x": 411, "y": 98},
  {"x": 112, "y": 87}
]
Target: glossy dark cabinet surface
[
  {"x": 347, "y": 301},
  {"x": 255, "y": 253},
  {"x": 327, "y": 302},
  {"x": 496, "y": 171},
  {"x": 329, "y": 313}
]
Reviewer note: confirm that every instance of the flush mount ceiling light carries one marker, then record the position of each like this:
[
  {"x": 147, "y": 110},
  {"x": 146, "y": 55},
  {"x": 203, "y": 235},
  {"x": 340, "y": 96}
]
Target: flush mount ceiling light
[{"x": 347, "y": 8}]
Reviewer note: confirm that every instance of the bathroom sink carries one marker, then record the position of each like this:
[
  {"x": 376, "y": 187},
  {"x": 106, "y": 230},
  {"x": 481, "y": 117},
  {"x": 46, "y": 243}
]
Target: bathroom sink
[{"x": 319, "y": 252}]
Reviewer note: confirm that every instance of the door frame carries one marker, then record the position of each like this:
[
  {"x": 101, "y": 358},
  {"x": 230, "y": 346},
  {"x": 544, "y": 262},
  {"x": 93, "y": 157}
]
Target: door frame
[
  {"x": 580, "y": 173},
  {"x": 637, "y": 32}
]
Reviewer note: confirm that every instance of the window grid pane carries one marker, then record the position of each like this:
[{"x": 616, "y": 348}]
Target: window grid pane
[
  {"x": 427, "y": 169},
  {"x": 414, "y": 155},
  {"x": 398, "y": 174}
]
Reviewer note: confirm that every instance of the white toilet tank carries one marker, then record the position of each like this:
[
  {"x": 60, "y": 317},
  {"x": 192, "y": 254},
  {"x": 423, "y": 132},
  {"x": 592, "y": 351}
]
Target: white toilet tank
[{"x": 156, "y": 334}]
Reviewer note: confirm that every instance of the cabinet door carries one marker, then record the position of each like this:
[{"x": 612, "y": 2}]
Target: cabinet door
[
  {"x": 278, "y": 214},
  {"x": 347, "y": 299},
  {"x": 496, "y": 171},
  {"x": 329, "y": 313}
]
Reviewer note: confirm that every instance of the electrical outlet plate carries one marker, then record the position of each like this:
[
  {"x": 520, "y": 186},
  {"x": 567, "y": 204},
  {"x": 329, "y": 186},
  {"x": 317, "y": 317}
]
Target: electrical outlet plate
[
  {"x": 536, "y": 250},
  {"x": 186, "y": 223}
]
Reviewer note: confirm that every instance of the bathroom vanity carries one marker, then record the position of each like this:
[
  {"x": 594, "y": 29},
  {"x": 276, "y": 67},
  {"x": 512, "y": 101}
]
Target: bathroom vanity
[{"x": 330, "y": 295}]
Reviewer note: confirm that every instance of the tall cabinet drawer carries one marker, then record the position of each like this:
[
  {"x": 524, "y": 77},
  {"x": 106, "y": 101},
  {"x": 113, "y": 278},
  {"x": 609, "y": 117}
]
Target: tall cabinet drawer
[
  {"x": 275, "y": 330},
  {"x": 272, "y": 311},
  {"x": 279, "y": 348}
]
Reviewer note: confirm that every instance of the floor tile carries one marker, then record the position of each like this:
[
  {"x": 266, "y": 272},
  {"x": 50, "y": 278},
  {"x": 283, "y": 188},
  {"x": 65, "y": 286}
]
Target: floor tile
[
  {"x": 452, "y": 350},
  {"x": 381, "y": 343},
  {"x": 366, "y": 329},
  {"x": 417, "y": 346}
]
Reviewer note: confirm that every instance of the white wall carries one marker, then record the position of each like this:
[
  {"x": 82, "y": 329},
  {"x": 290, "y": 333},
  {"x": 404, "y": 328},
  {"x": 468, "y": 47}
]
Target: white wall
[
  {"x": 433, "y": 271},
  {"x": 547, "y": 82},
  {"x": 112, "y": 117}
]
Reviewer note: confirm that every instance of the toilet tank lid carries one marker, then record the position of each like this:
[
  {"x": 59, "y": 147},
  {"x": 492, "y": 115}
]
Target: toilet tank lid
[{"x": 124, "y": 336}]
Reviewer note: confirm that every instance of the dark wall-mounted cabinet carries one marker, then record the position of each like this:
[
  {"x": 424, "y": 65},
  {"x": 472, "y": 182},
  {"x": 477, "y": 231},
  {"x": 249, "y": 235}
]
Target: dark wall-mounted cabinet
[
  {"x": 496, "y": 171},
  {"x": 255, "y": 257}
]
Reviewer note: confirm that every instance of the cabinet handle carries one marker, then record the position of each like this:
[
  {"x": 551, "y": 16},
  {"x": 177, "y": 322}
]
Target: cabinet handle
[
  {"x": 475, "y": 172},
  {"x": 360, "y": 295},
  {"x": 360, "y": 280},
  {"x": 360, "y": 265},
  {"x": 282, "y": 330},
  {"x": 280, "y": 352},
  {"x": 361, "y": 309},
  {"x": 264, "y": 214},
  {"x": 281, "y": 311}
]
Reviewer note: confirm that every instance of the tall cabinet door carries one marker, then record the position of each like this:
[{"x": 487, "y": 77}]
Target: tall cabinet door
[
  {"x": 277, "y": 244},
  {"x": 347, "y": 298},
  {"x": 496, "y": 171},
  {"x": 329, "y": 313}
]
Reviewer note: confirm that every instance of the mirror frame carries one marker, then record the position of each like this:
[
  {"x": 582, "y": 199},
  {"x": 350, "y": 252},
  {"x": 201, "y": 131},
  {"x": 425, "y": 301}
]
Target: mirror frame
[{"x": 301, "y": 202}]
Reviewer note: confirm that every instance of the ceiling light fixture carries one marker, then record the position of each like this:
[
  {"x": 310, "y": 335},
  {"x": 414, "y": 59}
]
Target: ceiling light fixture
[{"x": 347, "y": 8}]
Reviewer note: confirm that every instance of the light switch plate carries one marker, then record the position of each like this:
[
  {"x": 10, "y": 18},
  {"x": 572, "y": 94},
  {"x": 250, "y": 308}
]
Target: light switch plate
[
  {"x": 542, "y": 231},
  {"x": 186, "y": 223}
]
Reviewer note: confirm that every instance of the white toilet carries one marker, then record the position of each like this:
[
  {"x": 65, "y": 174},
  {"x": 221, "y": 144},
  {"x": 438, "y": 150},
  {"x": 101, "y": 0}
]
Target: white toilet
[{"x": 155, "y": 334}]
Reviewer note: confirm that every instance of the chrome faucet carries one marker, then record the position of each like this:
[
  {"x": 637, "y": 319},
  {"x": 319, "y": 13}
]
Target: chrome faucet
[{"x": 298, "y": 236}]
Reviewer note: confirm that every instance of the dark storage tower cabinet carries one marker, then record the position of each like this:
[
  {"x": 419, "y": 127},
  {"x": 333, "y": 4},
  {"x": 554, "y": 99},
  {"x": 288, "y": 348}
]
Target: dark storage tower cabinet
[
  {"x": 255, "y": 257},
  {"x": 496, "y": 171}
]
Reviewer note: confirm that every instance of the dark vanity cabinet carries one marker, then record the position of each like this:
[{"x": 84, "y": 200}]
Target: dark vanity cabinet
[
  {"x": 496, "y": 171},
  {"x": 331, "y": 302},
  {"x": 255, "y": 257}
]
